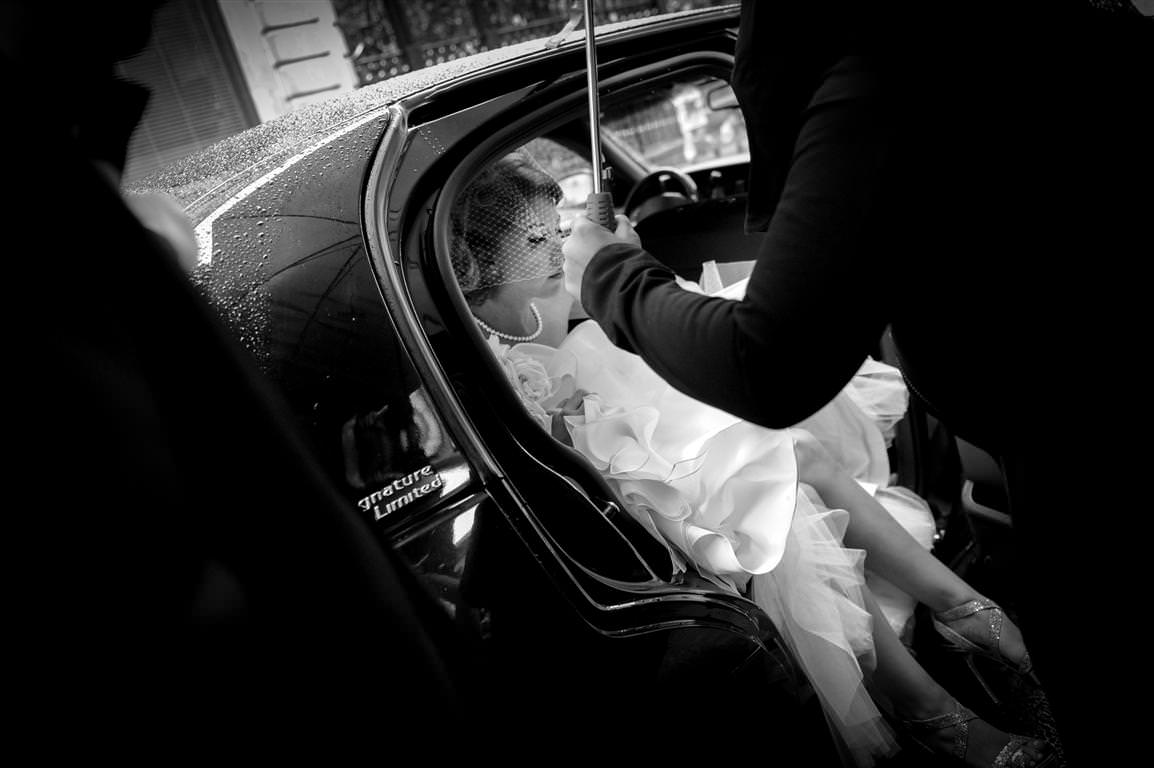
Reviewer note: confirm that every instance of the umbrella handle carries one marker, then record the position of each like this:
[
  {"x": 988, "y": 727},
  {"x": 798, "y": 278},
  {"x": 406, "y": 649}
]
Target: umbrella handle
[{"x": 599, "y": 209}]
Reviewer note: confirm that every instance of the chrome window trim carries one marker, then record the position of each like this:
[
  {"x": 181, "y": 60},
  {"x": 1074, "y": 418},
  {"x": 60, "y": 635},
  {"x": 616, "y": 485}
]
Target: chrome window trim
[{"x": 404, "y": 314}]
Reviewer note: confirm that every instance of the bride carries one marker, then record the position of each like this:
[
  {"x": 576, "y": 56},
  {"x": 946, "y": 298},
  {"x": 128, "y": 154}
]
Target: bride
[{"x": 803, "y": 520}]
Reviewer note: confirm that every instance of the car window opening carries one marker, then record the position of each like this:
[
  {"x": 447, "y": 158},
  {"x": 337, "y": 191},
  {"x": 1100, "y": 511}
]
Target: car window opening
[
  {"x": 678, "y": 144},
  {"x": 505, "y": 248}
]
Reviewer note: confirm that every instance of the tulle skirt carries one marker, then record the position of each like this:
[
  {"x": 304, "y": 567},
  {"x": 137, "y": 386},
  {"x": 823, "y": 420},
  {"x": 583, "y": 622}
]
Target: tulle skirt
[
  {"x": 816, "y": 599},
  {"x": 723, "y": 493}
]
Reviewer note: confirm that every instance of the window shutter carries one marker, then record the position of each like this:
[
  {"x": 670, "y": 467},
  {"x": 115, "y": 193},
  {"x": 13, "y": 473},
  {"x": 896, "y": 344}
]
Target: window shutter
[{"x": 195, "y": 99}]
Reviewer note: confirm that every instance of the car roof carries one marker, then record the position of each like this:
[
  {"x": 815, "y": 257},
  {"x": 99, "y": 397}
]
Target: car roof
[{"x": 227, "y": 165}]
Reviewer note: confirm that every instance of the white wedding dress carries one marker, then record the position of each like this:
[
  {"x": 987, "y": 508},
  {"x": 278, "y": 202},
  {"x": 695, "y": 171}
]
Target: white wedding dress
[{"x": 724, "y": 494}]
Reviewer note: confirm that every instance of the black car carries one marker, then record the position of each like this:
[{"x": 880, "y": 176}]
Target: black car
[{"x": 324, "y": 244}]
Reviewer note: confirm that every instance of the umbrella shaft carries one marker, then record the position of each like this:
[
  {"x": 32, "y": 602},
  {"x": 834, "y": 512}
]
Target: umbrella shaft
[{"x": 594, "y": 107}]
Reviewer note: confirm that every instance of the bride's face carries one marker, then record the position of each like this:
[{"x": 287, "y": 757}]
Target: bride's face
[
  {"x": 536, "y": 249},
  {"x": 512, "y": 221}
]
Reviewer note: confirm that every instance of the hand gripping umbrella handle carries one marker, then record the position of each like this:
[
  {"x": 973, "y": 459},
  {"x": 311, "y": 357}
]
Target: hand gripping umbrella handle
[{"x": 599, "y": 209}]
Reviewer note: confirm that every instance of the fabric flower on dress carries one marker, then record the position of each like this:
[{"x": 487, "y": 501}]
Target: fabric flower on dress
[
  {"x": 528, "y": 378},
  {"x": 532, "y": 379}
]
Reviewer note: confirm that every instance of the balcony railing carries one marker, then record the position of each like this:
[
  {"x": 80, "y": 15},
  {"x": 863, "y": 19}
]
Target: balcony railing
[{"x": 383, "y": 44}]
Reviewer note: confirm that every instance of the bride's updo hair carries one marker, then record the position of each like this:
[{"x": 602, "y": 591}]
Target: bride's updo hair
[{"x": 504, "y": 227}]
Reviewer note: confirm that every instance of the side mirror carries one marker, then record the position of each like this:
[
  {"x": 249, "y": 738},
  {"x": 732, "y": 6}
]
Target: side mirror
[{"x": 721, "y": 98}]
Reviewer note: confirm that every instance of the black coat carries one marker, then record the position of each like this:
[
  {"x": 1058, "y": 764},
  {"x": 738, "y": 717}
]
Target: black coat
[{"x": 976, "y": 178}]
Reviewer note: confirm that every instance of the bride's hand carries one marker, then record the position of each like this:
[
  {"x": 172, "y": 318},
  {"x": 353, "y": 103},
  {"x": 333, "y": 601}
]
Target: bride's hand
[{"x": 574, "y": 405}]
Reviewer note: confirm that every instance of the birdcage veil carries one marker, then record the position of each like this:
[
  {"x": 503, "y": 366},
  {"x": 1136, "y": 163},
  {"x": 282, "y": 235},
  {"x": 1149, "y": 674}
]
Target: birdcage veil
[{"x": 505, "y": 225}]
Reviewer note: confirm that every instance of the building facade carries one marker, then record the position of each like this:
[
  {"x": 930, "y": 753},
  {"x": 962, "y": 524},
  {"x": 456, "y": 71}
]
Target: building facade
[{"x": 216, "y": 67}]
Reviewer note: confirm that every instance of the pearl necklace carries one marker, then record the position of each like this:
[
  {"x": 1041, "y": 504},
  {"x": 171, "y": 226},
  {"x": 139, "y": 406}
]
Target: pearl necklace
[{"x": 510, "y": 337}]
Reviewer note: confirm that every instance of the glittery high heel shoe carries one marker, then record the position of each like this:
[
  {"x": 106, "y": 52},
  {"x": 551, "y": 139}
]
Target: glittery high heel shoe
[
  {"x": 981, "y": 638},
  {"x": 1018, "y": 751}
]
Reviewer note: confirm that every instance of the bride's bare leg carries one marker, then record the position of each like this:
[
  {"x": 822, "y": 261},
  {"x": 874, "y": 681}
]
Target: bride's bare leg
[
  {"x": 890, "y": 551},
  {"x": 898, "y": 680}
]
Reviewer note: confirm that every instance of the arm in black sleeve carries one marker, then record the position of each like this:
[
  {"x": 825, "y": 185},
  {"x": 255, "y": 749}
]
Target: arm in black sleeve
[{"x": 810, "y": 314}]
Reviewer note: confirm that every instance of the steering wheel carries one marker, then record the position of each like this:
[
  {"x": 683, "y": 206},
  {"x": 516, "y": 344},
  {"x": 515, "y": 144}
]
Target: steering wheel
[{"x": 657, "y": 190}]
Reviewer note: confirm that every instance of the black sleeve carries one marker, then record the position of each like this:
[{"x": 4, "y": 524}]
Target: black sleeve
[{"x": 811, "y": 311}]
